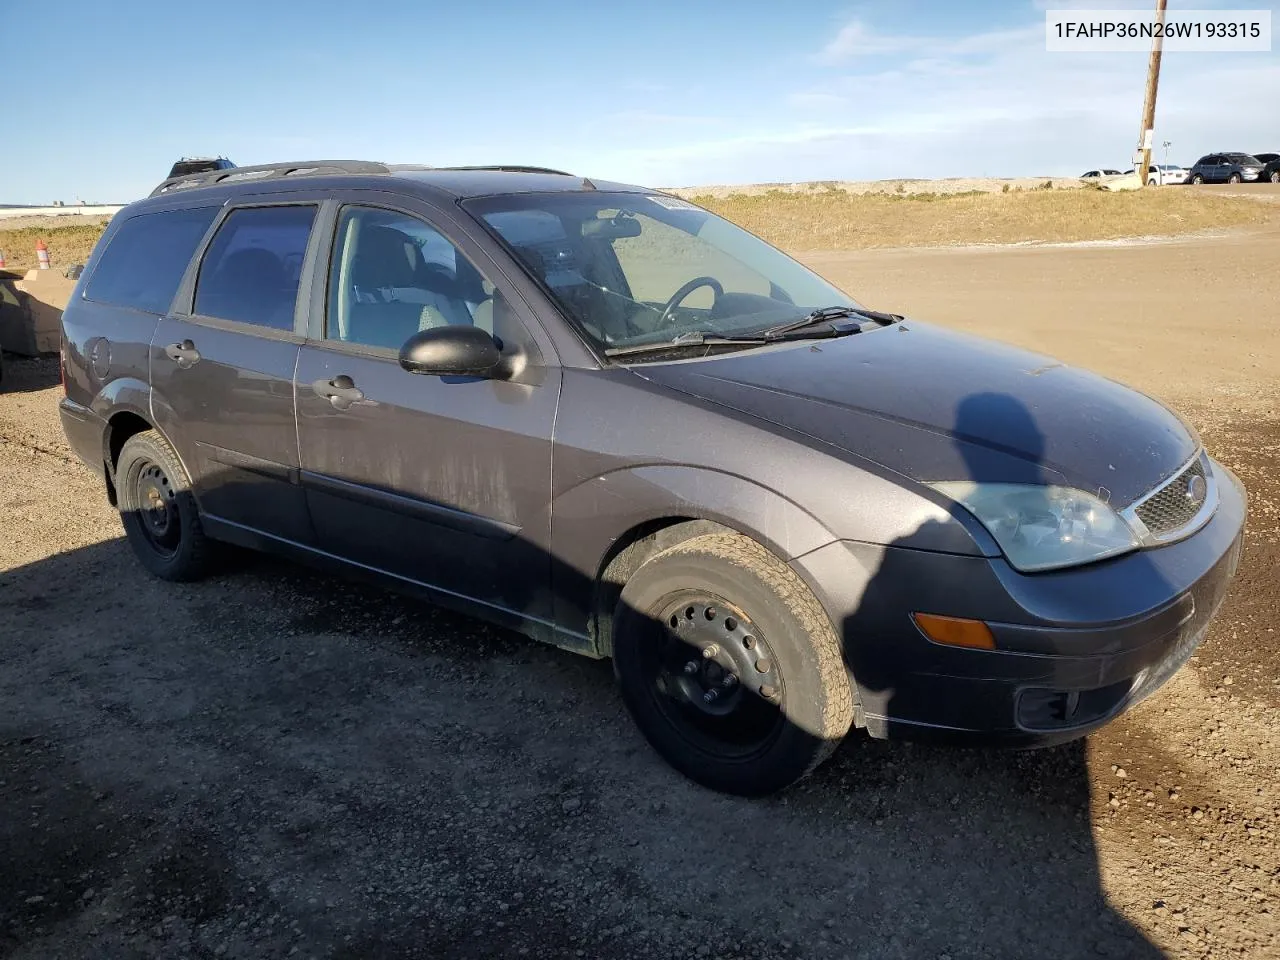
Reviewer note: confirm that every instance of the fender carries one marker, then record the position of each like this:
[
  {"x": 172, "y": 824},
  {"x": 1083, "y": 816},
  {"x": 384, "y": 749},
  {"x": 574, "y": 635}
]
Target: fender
[
  {"x": 132, "y": 395},
  {"x": 122, "y": 395},
  {"x": 589, "y": 519}
]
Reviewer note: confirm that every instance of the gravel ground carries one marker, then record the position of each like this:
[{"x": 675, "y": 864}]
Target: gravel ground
[{"x": 278, "y": 763}]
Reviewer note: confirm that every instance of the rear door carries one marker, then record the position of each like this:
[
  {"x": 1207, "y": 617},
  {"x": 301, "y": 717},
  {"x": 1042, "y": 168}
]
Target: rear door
[
  {"x": 445, "y": 481},
  {"x": 222, "y": 366}
]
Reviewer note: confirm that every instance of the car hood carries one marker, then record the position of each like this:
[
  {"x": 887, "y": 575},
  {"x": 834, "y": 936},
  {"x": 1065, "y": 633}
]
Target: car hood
[{"x": 932, "y": 404}]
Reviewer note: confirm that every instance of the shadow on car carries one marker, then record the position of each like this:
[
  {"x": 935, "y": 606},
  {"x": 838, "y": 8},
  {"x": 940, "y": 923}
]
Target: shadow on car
[{"x": 391, "y": 779}]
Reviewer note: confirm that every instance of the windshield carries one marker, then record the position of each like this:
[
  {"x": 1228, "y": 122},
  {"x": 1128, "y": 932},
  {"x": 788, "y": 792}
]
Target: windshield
[{"x": 632, "y": 269}]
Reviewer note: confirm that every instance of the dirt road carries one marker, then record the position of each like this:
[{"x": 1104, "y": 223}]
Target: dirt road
[{"x": 277, "y": 763}]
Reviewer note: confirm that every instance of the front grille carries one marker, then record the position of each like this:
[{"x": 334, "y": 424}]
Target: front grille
[{"x": 1175, "y": 505}]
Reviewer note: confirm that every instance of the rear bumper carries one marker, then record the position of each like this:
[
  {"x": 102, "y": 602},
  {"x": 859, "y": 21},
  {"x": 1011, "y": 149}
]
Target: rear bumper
[
  {"x": 84, "y": 431},
  {"x": 1075, "y": 648}
]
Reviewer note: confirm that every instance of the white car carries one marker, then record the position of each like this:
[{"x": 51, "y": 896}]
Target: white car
[{"x": 1164, "y": 174}]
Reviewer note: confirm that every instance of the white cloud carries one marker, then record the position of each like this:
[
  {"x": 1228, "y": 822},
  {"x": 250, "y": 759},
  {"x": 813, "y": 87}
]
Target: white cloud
[
  {"x": 992, "y": 103},
  {"x": 856, "y": 41}
]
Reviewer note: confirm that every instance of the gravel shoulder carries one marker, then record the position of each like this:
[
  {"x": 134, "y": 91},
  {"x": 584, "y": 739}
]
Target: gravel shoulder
[{"x": 275, "y": 762}]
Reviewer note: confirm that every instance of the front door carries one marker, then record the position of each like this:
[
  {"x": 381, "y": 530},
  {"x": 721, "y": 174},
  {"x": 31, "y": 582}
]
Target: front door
[
  {"x": 222, "y": 374},
  {"x": 444, "y": 481}
]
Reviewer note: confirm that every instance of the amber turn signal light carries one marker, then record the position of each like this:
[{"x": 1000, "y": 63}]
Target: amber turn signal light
[{"x": 955, "y": 631}]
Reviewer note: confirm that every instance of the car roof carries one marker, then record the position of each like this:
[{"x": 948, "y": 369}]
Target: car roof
[{"x": 454, "y": 182}]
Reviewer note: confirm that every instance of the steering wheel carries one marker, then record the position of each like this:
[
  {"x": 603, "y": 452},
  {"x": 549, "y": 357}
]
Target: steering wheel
[{"x": 680, "y": 295}]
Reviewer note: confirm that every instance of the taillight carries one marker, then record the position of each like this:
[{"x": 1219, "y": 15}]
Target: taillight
[{"x": 62, "y": 366}]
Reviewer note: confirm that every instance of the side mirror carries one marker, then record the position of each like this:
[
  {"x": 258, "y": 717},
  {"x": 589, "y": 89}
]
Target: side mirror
[{"x": 455, "y": 350}]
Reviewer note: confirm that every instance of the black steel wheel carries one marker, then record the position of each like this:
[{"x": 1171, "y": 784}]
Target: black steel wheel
[
  {"x": 158, "y": 509},
  {"x": 713, "y": 676},
  {"x": 729, "y": 665},
  {"x": 159, "y": 513}
]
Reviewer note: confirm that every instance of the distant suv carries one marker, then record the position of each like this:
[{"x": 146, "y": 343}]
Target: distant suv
[
  {"x": 191, "y": 165},
  {"x": 1271, "y": 172},
  {"x": 607, "y": 418},
  {"x": 1226, "y": 168}
]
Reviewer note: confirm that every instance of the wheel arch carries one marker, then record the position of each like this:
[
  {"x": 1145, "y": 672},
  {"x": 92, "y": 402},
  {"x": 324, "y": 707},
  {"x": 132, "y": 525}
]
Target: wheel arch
[
  {"x": 628, "y": 554},
  {"x": 122, "y": 425},
  {"x": 606, "y": 528}
]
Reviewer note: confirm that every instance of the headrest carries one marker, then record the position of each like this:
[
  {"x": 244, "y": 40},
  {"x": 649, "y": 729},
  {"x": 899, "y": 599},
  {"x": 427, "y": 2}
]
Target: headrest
[{"x": 385, "y": 257}]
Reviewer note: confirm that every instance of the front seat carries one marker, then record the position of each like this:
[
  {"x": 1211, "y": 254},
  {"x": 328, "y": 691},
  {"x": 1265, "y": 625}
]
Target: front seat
[{"x": 386, "y": 260}]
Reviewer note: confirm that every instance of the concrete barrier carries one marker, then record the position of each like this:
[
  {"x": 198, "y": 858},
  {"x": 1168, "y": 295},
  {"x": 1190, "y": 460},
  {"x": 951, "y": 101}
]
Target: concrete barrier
[{"x": 31, "y": 311}]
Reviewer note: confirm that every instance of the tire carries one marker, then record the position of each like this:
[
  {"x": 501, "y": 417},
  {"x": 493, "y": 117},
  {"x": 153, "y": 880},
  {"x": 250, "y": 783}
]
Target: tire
[
  {"x": 1275, "y": 176},
  {"x": 1197, "y": 179},
  {"x": 1152, "y": 183},
  {"x": 788, "y": 704},
  {"x": 1235, "y": 178},
  {"x": 158, "y": 511}
]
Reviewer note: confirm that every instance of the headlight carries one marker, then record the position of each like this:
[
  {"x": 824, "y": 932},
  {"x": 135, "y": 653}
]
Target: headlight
[{"x": 1044, "y": 527}]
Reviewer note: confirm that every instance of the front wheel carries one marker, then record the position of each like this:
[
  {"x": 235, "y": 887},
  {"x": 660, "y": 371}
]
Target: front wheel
[
  {"x": 1235, "y": 178},
  {"x": 1275, "y": 176},
  {"x": 730, "y": 666},
  {"x": 158, "y": 510}
]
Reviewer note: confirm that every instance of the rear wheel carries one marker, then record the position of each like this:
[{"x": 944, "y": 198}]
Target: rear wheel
[
  {"x": 1197, "y": 179},
  {"x": 1275, "y": 176},
  {"x": 729, "y": 665},
  {"x": 158, "y": 511}
]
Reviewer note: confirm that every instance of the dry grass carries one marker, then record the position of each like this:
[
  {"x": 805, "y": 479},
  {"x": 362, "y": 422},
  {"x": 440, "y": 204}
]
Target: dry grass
[
  {"x": 836, "y": 220},
  {"x": 68, "y": 244}
]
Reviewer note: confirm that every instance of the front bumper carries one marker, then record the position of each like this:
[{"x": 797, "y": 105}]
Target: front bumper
[{"x": 1075, "y": 647}]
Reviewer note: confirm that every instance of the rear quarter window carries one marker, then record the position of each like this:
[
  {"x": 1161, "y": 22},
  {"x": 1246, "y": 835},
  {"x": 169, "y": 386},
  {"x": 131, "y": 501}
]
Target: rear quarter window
[{"x": 146, "y": 257}]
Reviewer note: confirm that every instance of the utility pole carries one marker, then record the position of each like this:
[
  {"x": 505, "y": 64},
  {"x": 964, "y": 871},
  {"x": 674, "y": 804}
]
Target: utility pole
[{"x": 1142, "y": 162}]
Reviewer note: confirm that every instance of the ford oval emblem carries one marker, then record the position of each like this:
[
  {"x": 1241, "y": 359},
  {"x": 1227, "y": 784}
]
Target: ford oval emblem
[{"x": 1197, "y": 489}]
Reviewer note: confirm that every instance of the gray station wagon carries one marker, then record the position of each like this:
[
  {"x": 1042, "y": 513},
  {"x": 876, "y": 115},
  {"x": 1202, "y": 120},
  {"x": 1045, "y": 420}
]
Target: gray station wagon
[{"x": 611, "y": 420}]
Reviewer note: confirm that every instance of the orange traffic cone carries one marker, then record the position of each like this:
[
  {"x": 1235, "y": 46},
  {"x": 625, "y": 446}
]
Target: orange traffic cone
[{"x": 42, "y": 255}]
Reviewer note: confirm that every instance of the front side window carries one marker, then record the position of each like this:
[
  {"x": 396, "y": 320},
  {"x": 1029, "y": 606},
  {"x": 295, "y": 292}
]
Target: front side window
[
  {"x": 631, "y": 269},
  {"x": 146, "y": 257},
  {"x": 393, "y": 275},
  {"x": 252, "y": 268}
]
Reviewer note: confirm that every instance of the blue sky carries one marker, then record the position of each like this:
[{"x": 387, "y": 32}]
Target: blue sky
[{"x": 660, "y": 92}]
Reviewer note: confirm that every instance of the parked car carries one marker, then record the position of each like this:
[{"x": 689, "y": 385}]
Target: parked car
[
  {"x": 603, "y": 416},
  {"x": 1226, "y": 168},
  {"x": 1271, "y": 172},
  {"x": 1164, "y": 174},
  {"x": 1267, "y": 157},
  {"x": 190, "y": 165},
  {"x": 1098, "y": 174}
]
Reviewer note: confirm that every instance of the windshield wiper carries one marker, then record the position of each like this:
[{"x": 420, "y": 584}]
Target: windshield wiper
[
  {"x": 827, "y": 315},
  {"x": 694, "y": 338}
]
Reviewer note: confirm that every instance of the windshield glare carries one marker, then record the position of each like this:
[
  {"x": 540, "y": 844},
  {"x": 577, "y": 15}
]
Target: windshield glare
[{"x": 632, "y": 269}]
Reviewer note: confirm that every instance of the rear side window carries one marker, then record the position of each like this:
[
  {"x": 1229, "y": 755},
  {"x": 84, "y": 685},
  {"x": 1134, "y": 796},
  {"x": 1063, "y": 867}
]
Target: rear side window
[
  {"x": 250, "y": 272},
  {"x": 145, "y": 259}
]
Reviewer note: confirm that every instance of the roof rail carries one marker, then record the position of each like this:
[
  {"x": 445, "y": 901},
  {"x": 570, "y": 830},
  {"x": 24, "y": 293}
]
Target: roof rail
[
  {"x": 266, "y": 172},
  {"x": 512, "y": 168}
]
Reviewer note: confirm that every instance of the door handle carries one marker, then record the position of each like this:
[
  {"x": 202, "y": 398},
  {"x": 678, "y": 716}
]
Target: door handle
[
  {"x": 184, "y": 354},
  {"x": 341, "y": 391}
]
